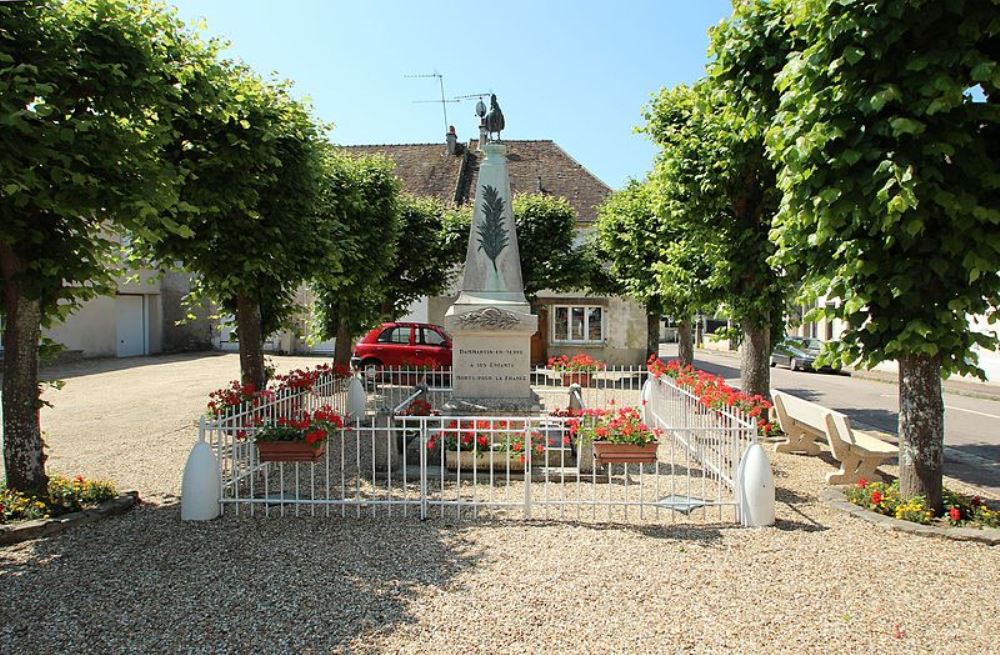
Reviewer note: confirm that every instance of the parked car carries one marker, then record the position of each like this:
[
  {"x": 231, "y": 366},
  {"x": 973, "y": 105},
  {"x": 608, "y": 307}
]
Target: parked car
[
  {"x": 796, "y": 353},
  {"x": 403, "y": 345}
]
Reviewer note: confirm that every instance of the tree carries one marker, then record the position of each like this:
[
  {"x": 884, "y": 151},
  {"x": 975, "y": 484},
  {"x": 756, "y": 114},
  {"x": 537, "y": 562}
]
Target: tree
[
  {"x": 251, "y": 159},
  {"x": 87, "y": 90},
  {"x": 362, "y": 195},
  {"x": 426, "y": 263},
  {"x": 546, "y": 239},
  {"x": 714, "y": 179},
  {"x": 628, "y": 239},
  {"x": 889, "y": 169}
]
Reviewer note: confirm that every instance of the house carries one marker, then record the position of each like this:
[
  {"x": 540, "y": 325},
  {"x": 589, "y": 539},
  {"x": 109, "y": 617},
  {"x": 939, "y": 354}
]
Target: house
[
  {"x": 609, "y": 328},
  {"x": 141, "y": 318}
]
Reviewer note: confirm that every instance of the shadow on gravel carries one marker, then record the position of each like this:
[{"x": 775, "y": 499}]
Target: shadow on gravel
[
  {"x": 148, "y": 583},
  {"x": 708, "y": 533}
]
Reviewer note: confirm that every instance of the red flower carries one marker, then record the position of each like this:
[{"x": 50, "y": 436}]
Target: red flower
[
  {"x": 862, "y": 483},
  {"x": 955, "y": 514},
  {"x": 314, "y": 436},
  {"x": 876, "y": 497}
]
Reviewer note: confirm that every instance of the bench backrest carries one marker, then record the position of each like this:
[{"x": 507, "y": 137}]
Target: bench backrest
[
  {"x": 839, "y": 434},
  {"x": 803, "y": 412}
]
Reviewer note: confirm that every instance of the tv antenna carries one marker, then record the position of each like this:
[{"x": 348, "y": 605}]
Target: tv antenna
[
  {"x": 480, "y": 106},
  {"x": 444, "y": 102}
]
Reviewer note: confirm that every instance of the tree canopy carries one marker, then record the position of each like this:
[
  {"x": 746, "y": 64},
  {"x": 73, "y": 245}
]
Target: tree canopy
[
  {"x": 252, "y": 232},
  {"x": 87, "y": 92},
  {"x": 432, "y": 245},
  {"x": 361, "y": 195},
  {"x": 889, "y": 168}
]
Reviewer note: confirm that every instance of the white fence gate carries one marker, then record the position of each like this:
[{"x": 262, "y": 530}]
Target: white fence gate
[{"x": 385, "y": 464}]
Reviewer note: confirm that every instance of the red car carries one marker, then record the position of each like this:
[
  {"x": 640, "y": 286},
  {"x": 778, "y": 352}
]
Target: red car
[{"x": 404, "y": 344}]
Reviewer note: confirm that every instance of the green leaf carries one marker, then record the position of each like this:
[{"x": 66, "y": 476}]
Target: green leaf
[
  {"x": 902, "y": 126},
  {"x": 853, "y": 54}
]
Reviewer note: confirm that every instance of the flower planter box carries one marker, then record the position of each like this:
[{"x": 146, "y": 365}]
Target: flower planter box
[
  {"x": 481, "y": 460},
  {"x": 583, "y": 379},
  {"x": 289, "y": 451},
  {"x": 625, "y": 453}
]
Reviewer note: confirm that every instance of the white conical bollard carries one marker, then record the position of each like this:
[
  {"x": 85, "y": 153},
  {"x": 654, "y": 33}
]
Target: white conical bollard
[
  {"x": 202, "y": 485},
  {"x": 647, "y": 395},
  {"x": 357, "y": 399},
  {"x": 755, "y": 486}
]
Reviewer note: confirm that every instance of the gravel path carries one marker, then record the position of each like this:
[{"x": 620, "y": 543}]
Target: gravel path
[{"x": 817, "y": 582}]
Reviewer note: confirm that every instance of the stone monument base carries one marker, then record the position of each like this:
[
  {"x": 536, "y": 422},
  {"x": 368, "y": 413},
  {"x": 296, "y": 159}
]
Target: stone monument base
[{"x": 493, "y": 406}]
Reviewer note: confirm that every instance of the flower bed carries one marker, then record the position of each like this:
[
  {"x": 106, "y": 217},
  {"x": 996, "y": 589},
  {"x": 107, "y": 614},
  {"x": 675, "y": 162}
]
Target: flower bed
[
  {"x": 418, "y": 407},
  {"x": 713, "y": 392},
  {"x": 237, "y": 395},
  {"x": 884, "y": 498},
  {"x": 65, "y": 495},
  {"x": 483, "y": 437},
  {"x": 300, "y": 436},
  {"x": 582, "y": 363},
  {"x": 619, "y": 435}
]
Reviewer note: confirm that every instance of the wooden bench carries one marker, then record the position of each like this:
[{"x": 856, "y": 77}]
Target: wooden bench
[{"x": 859, "y": 452}]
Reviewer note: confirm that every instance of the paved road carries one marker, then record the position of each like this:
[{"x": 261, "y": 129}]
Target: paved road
[{"x": 972, "y": 425}]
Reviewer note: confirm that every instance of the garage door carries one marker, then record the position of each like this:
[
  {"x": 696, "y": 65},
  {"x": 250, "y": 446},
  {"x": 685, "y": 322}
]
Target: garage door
[{"x": 130, "y": 322}]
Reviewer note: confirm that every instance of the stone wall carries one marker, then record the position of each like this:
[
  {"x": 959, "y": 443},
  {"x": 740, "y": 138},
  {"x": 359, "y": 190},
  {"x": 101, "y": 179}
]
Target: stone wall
[{"x": 190, "y": 335}]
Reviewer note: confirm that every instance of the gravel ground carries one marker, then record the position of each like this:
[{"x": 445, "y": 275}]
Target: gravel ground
[{"x": 817, "y": 582}]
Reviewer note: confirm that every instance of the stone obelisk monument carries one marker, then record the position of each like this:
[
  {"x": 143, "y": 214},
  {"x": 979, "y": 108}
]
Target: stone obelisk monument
[{"x": 491, "y": 322}]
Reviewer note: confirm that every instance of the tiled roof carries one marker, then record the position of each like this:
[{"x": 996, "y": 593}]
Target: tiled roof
[{"x": 427, "y": 169}]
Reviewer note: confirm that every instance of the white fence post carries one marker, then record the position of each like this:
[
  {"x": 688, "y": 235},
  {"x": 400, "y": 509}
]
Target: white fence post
[
  {"x": 755, "y": 488},
  {"x": 201, "y": 486}
]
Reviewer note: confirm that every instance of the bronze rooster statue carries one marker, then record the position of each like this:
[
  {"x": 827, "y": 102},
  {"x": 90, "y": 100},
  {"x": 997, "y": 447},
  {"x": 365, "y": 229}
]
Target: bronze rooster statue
[{"x": 494, "y": 118}]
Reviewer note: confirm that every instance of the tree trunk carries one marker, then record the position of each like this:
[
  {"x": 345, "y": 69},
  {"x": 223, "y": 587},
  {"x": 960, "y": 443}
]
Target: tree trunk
[
  {"x": 342, "y": 347},
  {"x": 652, "y": 334},
  {"x": 23, "y": 450},
  {"x": 755, "y": 358},
  {"x": 250, "y": 325},
  {"x": 685, "y": 346},
  {"x": 387, "y": 310},
  {"x": 921, "y": 429}
]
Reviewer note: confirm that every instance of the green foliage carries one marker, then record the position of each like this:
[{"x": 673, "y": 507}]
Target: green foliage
[
  {"x": 546, "y": 239},
  {"x": 433, "y": 239},
  {"x": 713, "y": 182},
  {"x": 87, "y": 92},
  {"x": 249, "y": 202},
  {"x": 492, "y": 235},
  {"x": 650, "y": 256},
  {"x": 890, "y": 173},
  {"x": 361, "y": 196}
]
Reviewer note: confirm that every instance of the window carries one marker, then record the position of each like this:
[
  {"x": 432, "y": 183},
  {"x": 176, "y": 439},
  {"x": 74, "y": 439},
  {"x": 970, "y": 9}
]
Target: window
[
  {"x": 578, "y": 323},
  {"x": 430, "y": 337},
  {"x": 397, "y": 335}
]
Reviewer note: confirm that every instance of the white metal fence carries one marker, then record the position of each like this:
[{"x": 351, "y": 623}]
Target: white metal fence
[{"x": 521, "y": 467}]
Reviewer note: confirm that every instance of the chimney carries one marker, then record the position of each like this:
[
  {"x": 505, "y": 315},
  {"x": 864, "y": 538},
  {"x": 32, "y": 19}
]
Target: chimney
[
  {"x": 483, "y": 134},
  {"x": 451, "y": 139}
]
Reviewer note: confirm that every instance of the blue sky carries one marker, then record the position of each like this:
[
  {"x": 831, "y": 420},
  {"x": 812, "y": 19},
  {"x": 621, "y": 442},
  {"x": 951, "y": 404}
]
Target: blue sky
[{"x": 575, "y": 72}]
